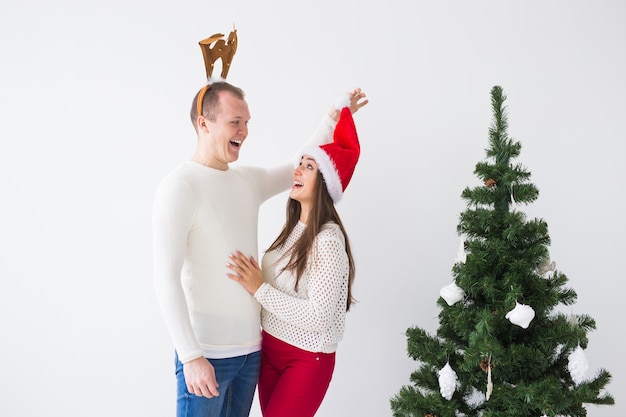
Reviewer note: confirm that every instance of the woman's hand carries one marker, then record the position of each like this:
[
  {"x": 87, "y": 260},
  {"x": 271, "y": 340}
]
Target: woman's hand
[{"x": 246, "y": 271}]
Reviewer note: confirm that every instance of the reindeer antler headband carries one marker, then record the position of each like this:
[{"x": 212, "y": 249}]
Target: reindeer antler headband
[{"x": 214, "y": 48}]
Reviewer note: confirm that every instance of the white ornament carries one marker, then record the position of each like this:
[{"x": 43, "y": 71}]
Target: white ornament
[
  {"x": 489, "y": 383},
  {"x": 461, "y": 257},
  {"x": 447, "y": 381},
  {"x": 452, "y": 293},
  {"x": 521, "y": 315},
  {"x": 546, "y": 266},
  {"x": 577, "y": 365}
]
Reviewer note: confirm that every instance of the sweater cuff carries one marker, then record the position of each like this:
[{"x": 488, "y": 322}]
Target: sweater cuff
[{"x": 258, "y": 295}]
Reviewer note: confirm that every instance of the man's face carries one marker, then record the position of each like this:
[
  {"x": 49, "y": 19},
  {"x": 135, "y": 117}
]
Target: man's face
[{"x": 229, "y": 129}]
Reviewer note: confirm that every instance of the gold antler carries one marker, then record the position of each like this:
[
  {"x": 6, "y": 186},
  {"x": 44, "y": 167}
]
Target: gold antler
[{"x": 224, "y": 50}]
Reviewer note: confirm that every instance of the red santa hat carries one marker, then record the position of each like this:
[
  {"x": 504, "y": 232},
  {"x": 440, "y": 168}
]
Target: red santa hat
[{"x": 337, "y": 160}]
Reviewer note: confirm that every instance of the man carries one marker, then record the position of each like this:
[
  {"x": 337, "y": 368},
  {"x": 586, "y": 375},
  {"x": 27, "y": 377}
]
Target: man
[{"x": 203, "y": 211}]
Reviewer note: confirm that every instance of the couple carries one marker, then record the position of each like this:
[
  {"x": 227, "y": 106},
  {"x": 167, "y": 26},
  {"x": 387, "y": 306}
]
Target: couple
[{"x": 214, "y": 296}]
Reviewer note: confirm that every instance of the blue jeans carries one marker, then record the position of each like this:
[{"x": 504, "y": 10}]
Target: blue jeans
[{"x": 237, "y": 378}]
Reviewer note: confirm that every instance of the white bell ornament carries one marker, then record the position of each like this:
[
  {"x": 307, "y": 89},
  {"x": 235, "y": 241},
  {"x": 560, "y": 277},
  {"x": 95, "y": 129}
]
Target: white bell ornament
[
  {"x": 521, "y": 315},
  {"x": 452, "y": 293},
  {"x": 547, "y": 266},
  {"x": 577, "y": 365},
  {"x": 447, "y": 381}
]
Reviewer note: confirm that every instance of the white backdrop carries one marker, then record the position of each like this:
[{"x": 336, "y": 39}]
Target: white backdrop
[{"x": 94, "y": 99}]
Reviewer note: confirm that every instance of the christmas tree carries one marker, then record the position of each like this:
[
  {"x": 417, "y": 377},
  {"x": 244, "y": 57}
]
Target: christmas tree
[{"x": 502, "y": 348}]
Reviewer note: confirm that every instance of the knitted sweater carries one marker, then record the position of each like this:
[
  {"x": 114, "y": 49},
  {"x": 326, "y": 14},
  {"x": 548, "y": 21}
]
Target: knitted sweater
[
  {"x": 313, "y": 316},
  {"x": 200, "y": 216}
]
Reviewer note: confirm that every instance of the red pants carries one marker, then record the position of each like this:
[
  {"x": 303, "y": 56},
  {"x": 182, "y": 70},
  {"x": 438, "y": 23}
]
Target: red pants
[{"x": 292, "y": 382}]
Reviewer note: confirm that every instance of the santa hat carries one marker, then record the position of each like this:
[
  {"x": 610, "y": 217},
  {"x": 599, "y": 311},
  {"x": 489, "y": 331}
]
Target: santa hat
[{"x": 337, "y": 160}]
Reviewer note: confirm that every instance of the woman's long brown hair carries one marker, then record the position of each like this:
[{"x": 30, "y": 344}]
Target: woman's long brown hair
[{"x": 322, "y": 212}]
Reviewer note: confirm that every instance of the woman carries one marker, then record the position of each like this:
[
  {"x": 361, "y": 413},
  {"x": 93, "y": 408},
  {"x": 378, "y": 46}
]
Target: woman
[{"x": 306, "y": 280}]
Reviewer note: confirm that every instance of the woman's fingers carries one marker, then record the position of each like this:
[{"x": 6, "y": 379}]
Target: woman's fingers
[{"x": 240, "y": 260}]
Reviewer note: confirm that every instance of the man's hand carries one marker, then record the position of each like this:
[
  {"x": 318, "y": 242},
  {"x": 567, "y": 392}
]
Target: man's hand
[
  {"x": 200, "y": 378},
  {"x": 357, "y": 100}
]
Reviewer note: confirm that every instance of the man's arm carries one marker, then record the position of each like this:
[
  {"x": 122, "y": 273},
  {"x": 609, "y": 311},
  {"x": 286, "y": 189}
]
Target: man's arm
[
  {"x": 171, "y": 221},
  {"x": 173, "y": 213}
]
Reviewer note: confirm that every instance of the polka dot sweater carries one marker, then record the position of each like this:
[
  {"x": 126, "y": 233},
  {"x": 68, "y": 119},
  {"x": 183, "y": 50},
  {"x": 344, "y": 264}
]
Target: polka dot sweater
[{"x": 313, "y": 316}]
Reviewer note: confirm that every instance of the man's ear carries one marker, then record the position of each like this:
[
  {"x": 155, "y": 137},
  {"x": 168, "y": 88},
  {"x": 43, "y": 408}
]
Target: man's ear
[{"x": 202, "y": 124}]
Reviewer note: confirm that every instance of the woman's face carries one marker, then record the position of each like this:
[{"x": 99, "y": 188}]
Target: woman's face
[{"x": 304, "y": 178}]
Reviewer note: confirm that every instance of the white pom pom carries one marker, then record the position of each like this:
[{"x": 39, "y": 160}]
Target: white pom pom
[
  {"x": 452, "y": 293},
  {"x": 343, "y": 101},
  {"x": 447, "y": 381},
  {"x": 521, "y": 315},
  {"x": 577, "y": 365},
  {"x": 215, "y": 79}
]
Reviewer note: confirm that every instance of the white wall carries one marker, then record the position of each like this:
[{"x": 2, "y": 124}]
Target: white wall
[{"x": 94, "y": 99}]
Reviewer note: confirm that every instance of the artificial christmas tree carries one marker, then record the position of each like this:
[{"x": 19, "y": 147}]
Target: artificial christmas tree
[{"x": 502, "y": 348}]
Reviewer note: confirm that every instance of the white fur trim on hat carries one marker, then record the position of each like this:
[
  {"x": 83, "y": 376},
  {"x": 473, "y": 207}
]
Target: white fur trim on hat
[{"x": 326, "y": 166}]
